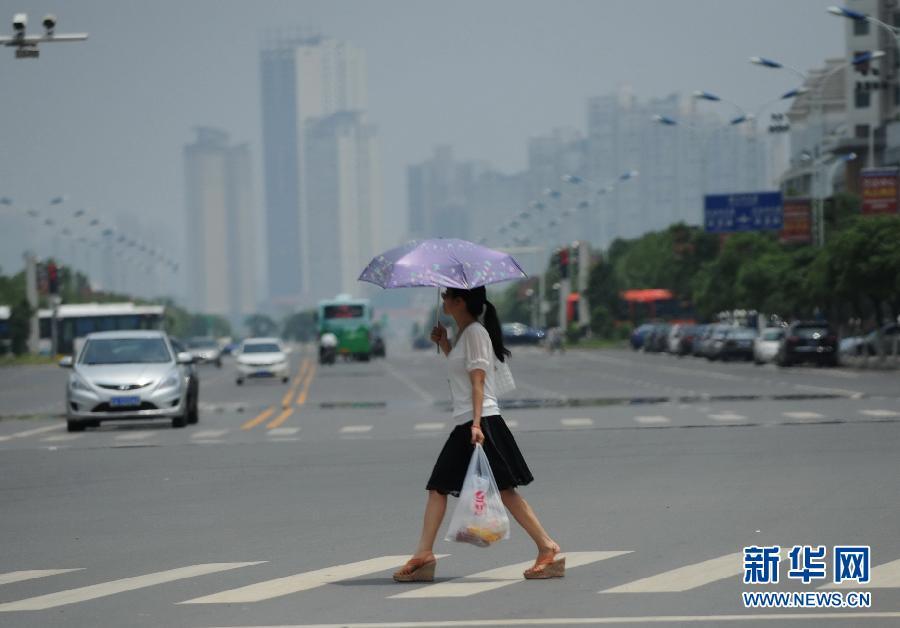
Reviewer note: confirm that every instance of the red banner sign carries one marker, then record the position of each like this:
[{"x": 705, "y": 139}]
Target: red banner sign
[
  {"x": 879, "y": 190},
  {"x": 797, "y": 223}
]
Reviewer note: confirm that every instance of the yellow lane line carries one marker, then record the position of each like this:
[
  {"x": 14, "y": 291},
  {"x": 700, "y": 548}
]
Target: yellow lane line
[
  {"x": 301, "y": 398},
  {"x": 281, "y": 418},
  {"x": 286, "y": 400},
  {"x": 259, "y": 418}
]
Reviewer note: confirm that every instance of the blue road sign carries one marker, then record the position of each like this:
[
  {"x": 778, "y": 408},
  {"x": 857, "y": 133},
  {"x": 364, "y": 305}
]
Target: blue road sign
[{"x": 754, "y": 211}]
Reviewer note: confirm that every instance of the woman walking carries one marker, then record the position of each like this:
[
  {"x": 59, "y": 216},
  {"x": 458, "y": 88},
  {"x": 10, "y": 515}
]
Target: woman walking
[{"x": 472, "y": 361}]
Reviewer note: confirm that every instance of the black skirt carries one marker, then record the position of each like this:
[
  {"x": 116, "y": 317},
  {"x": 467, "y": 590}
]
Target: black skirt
[{"x": 507, "y": 463}]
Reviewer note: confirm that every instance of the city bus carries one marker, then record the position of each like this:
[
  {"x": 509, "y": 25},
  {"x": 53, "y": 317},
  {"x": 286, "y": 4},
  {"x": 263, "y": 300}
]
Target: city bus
[
  {"x": 74, "y": 321},
  {"x": 350, "y": 320}
]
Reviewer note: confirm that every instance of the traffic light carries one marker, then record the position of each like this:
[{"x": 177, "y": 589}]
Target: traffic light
[
  {"x": 564, "y": 263},
  {"x": 53, "y": 278}
]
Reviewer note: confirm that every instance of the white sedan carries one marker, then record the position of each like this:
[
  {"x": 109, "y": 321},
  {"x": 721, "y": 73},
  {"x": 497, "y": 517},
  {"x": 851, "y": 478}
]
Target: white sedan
[
  {"x": 766, "y": 344},
  {"x": 262, "y": 357}
]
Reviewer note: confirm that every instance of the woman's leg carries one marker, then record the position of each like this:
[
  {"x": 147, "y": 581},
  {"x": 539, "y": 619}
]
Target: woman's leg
[
  {"x": 526, "y": 518},
  {"x": 434, "y": 515}
]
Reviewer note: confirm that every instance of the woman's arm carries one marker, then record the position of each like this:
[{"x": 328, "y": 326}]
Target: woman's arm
[{"x": 476, "y": 377}]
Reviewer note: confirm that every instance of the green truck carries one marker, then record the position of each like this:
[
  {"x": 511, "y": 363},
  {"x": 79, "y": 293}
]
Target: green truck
[{"x": 350, "y": 320}]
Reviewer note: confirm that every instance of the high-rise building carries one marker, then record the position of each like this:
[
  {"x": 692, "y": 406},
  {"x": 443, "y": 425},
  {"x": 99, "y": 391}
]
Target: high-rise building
[
  {"x": 343, "y": 193},
  {"x": 304, "y": 78},
  {"x": 221, "y": 226}
]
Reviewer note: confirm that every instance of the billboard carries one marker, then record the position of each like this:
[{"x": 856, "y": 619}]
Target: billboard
[
  {"x": 751, "y": 211},
  {"x": 879, "y": 190},
  {"x": 797, "y": 221}
]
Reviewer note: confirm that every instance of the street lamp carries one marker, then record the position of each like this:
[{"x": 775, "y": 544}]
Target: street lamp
[{"x": 857, "y": 16}]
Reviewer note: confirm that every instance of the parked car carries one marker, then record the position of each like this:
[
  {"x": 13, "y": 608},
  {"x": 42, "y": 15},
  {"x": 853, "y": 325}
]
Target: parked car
[
  {"x": 736, "y": 344},
  {"x": 765, "y": 346},
  {"x": 673, "y": 341},
  {"x": 128, "y": 375},
  {"x": 521, "y": 334},
  {"x": 713, "y": 341},
  {"x": 689, "y": 335},
  {"x": 261, "y": 358},
  {"x": 703, "y": 332},
  {"x": 205, "y": 351},
  {"x": 193, "y": 377},
  {"x": 657, "y": 340},
  {"x": 639, "y": 335},
  {"x": 889, "y": 334},
  {"x": 808, "y": 341}
]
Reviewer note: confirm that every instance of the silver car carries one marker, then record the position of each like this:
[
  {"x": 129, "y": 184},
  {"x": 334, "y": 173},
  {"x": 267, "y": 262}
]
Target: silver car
[{"x": 128, "y": 375}]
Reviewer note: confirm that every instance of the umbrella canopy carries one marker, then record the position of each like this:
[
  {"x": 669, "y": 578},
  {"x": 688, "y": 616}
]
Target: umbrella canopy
[{"x": 447, "y": 263}]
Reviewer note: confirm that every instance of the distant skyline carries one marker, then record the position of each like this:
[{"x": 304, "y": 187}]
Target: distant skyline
[{"x": 104, "y": 121}]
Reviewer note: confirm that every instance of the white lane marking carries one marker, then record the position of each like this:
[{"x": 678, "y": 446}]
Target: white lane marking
[
  {"x": 600, "y": 621},
  {"x": 32, "y": 432},
  {"x": 497, "y": 578},
  {"x": 356, "y": 429},
  {"x": 686, "y": 578},
  {"x": 727, "y": 416},
  {"x": 209, "y": 441},
  {"x": 283, "y": 431},
  {"x": 653, "y": 420},
  {"x": 886, "y": 576},
  {"x": 31, "y": 574},
  {"x": 134, "y": 436},
  {"x": 104, "y": 589},
  {"x": 880, "y": 413},
  {"x": 803, "y": 415},
  {"x": 207, "y": 434},
  {"x": 578, "y": 422},
  {"x": 429, "y": 427},
  {"x": 423, "y": 394},
  {"x": 60, "y": 438},
  {"x": 288, "y": 585}
]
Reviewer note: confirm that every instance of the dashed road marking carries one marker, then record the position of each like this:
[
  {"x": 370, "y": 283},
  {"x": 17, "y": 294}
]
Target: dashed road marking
[
  {"x": 653, "y": 420},
  {"x": 880, "y": 413},
  {"x": 208, "y": 434},
  {"x": 727, "y": 416},
  {"x": 131, "y": 436},
  {"x": 283, "y": 431},
  {"x": 803, "y": 415},
  {"x": 32, "y": 432},
  {"x": 61, "y": 438},
  {"x": 30, "y": 574},
  {"x": 429, "y": 427},
  {"x": 355, "y": 429},
  {"x": 577, "y": 422}
]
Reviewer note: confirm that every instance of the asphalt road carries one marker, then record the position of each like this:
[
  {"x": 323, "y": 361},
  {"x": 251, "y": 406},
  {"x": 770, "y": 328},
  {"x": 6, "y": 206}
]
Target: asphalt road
[{"x": 290, "y": 505}]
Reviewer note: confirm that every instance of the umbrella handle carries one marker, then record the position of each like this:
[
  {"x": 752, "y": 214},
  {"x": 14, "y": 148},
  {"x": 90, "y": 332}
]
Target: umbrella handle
[{"x": 437, "y": 313}]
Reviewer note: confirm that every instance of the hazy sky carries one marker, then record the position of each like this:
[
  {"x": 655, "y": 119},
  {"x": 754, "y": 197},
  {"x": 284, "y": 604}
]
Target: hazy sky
[{"x": 105, "y": 121}]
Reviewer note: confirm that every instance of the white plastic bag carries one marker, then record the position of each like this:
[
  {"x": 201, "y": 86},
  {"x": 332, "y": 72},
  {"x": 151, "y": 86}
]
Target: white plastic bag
[{"x": 479, "y": 518}]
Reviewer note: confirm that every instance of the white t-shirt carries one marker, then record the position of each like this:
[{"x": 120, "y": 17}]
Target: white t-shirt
[{"x": 473, "y": 350}]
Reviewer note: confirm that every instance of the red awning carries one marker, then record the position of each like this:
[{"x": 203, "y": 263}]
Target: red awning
[{"x": 647, "y": 296}]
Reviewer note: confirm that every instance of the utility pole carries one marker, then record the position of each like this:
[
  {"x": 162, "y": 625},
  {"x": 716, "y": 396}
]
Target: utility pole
[
  {"x": 31, "y": 293},
  {"x": 584, "y": 262}
]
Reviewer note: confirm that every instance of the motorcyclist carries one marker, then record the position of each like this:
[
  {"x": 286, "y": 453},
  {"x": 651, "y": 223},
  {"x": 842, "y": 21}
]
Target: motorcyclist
[{"x": 328, "y": 343}]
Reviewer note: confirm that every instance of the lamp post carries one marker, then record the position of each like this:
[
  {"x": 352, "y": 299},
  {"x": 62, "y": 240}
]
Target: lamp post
[{"x": 857, "y": 16}]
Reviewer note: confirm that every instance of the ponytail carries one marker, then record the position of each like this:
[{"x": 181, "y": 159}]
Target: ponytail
[
  {"x": 492, "y": 325},
  {"x": 478, "y": 305}
]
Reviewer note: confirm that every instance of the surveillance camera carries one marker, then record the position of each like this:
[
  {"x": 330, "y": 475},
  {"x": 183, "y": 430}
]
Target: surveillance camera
[
  {"x": 49, "y": 22},
  {"x": 20, "y": 21}
]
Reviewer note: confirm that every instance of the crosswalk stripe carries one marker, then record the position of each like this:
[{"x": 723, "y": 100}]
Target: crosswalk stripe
[
  {"x": 60, "y": 438},
  {"x": 686, "y": 578},
  {"x": 429, "y": 427},
  {"x": 880, "y": 413},
  {"x": 279, "y": 587},
  {"x": 208, "y": 434},
  {"x": 32, "y": 432},
  {"x": 727, "y": 416},
  {"x": 497, "y": 578},
  {"x": 355, "y": 429},
  {"x": 803, "y": 415},
  {"x": 283, "y": 431},
  {"x": 576, "y": 422},
  {"x": 653, "y": 420},
  {"x": 104, "y": 589},
  {"x": 886, "y": 576},
  {"x": 134, "y": 436},
  {"x": 30, "y": 574}
]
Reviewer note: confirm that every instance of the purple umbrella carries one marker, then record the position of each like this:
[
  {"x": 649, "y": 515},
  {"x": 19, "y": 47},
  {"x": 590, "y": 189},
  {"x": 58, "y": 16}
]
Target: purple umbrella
[{"x": 447, "y": 263}]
